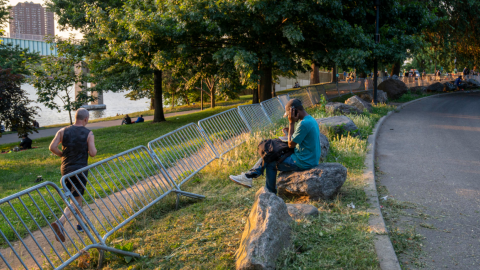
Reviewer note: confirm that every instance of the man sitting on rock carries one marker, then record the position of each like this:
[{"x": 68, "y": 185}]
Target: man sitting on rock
[
  {"x": 459, "y": 84},
  {"x": 305, "y": 139}
]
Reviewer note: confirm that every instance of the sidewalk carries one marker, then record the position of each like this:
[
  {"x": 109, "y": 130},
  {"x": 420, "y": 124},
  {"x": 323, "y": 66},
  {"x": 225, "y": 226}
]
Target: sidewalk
[{"x": 12, "y": 138}]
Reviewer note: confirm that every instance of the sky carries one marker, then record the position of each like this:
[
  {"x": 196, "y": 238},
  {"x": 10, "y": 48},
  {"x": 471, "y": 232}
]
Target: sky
[{"x": 41, "y": 2}]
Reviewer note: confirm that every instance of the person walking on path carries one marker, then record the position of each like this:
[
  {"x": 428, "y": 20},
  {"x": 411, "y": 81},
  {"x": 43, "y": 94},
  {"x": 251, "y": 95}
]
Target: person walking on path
[
  {"x": 78, "y": 143},
  {"x": 305, "y": 140}
]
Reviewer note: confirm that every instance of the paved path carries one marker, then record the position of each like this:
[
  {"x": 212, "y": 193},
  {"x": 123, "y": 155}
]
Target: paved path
[
  {"x": 11, "y": 138},
  {"x": 430, "y": 154}
]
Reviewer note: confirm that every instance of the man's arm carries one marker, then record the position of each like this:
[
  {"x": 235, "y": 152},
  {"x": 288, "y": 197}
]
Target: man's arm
[
  {"x": 92, "y": 151},
  {"x": 291, "y": 119},
  {"x": 56, "y": 142}
]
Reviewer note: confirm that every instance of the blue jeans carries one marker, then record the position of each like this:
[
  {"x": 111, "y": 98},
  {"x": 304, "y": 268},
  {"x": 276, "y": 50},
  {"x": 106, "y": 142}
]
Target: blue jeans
[{"x": 287, "y": 165}]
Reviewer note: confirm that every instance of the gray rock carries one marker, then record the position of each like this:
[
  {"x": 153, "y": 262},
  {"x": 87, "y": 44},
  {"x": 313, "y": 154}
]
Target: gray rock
[
  {"x": 300, "y": 210},
  {"x": 339, "y": 125},
  {"x": 359, "y": 103},
  {"x": 267, "y": 232},
  {"x": 320, "y": 182},
  {"x": 394, "y": 77},
  {"x": 474, "y": 82},
  {"x": 368, "y": 96},
  {"x": 324, "y": 146},
  {"x": 436, "y": 87},
  {"x": 449, "y": 87},
  {"x": 394, "y": 88},
  {"x": 342, "y": 108}
]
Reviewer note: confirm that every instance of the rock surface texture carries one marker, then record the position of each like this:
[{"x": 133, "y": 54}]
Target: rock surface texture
[
  {"x": 339, "y": 124},
  {"x": 359, "y": 103},
  {"x": 320, "y": 182},
  {"x": 267, "y": 232},
  {"x": 436, "y": 87},
  {"x": 368, "y": 97},
  {"x": 419, "y": 89},
  {"x": 394, "y": 88},
  {"x": 449, "y": 87},
  {"x": 324, "y": 146},
  {"x": 300, "y": 210},
  {"x": 342, "y": 108}
]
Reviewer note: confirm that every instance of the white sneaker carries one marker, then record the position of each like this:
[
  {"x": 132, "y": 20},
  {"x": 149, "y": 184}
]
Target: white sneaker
[{"x": 241, "y": 180}]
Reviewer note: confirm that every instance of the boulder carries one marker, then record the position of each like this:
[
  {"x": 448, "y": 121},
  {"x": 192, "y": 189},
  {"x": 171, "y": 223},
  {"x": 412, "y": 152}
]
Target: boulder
[
  {"x": 300, "y": 210},
  {"x": 339, "y": 125},
  {"x": 324, "y": 146},
  {"x": 418, "y": 89},
  {"x": 394, "y": 77},
  {"x": 267, "y": 232},
  {"x": 394, "y": 88},
  {"x": 449, "y": 87},
  {"x": 320, "y": 182},
  {"x": 368, "y": 97},
  {"x": 359, "y": 103},
  {"x": 474, "y": 82},
  {"x": 342, "y": 108},
  {"x": 436, "y": 87}
]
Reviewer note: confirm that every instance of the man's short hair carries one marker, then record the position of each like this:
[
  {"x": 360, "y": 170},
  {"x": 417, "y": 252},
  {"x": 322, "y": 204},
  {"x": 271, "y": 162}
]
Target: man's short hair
[
  {"x": 81, "y": 114},
  {"x": 295, "y": 103},
  {"x": 141, "y": 115}
]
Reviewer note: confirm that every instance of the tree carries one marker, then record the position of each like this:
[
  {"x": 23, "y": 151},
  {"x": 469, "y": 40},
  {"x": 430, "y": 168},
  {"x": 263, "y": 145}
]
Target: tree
[
  {"x": 14, "y": 104},
  {"x": 4, "y": 15},
  {"x": 55, "y": 77},
  {"x": 16, "y": 58}
]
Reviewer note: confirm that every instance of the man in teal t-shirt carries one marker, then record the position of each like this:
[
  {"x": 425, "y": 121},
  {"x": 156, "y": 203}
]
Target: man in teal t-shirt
[{"x": 305, "y": 138}]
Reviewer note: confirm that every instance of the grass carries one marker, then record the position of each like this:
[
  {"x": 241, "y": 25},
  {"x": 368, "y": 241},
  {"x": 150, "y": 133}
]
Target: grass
[{"x": 205, "y": 234}]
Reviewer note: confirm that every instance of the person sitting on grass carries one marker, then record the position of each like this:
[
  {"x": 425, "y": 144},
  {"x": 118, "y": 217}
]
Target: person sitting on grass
[
  {"x": 25, "y": 143},
  {"x": 140, "y": 119},
  {"x": 458, "y": 83},
  {"x": 127, "y": 120},
  {"x": 305, "y": 139}
]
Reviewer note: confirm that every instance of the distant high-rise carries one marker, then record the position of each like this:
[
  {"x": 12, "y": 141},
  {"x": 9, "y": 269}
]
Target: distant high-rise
[{"x": 31, "y": 21}]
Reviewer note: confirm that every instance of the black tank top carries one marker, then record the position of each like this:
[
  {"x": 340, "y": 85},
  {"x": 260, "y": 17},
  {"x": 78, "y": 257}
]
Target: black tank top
[{"x": 75, "y": 149}]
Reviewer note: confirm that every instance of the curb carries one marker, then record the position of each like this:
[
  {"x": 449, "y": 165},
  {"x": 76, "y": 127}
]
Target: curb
[{"x": 383, "y": 246}]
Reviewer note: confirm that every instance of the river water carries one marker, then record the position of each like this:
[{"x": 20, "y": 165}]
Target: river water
[{"x": 116, "y": 103}]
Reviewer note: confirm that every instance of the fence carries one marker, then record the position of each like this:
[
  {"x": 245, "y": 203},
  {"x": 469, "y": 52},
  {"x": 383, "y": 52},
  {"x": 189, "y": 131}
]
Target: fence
[{"x": 118, "y": 189}]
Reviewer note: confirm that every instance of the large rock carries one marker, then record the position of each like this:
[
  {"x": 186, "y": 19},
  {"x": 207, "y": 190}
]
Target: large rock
[
  {"x": 394, "y": 88},
  {"x": 320, "y": 182},
  {"x": 339, "y": 125},
  {"x": 474, "y": 82},
  {"x": 324, "y": 146},
  {"x": 341, "y": 108},
  {"x": 436, "y": 87},
  {"x": 300, "y": 210},
  {"x": 368, "y": 96},
  {"x": 394, "y": 77},
  {"x": 449, "y": 87},
  {"x": 359, "y": 103},
  {"x": 418, "y": 89},
  {"x": 267, "y": 232}
]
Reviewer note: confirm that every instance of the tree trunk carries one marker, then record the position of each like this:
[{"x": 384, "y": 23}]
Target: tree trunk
[
  {"x": 396, "y": 69},
  {"x": 265, "y": 87},
  {"x": 212, "y": 97},
  {"x": 314, "y": 75},
  {"x": 152, "y": 104},
  {"x": 255, "y": 93},
  {"x": 70, "y": 115},
  {"x": 158, "y": 115},
  {"x": 334, "y": 74}
]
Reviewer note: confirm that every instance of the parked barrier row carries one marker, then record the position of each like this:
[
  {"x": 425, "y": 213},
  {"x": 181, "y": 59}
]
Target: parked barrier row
[{"x": 118, "y": 189}]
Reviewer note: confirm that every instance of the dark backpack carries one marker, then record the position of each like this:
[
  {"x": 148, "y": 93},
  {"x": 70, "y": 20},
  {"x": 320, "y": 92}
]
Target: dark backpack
[{"x": 274, "y": 150}]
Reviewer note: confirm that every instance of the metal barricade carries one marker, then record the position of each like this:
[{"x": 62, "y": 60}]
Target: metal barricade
[
  {"x": 119, "y": 188},
  {"x": 274, "y": 109},
  {"x": 225, "y": 130},
  {"x": 316, "y": 93},
  {"x": 29, "y": 223},
  {"x": 303, "y": 96},
  {"x": 284, "y": 99},
  {"x": 255, "y": 116},
  {"x": 183, "y": 152}
]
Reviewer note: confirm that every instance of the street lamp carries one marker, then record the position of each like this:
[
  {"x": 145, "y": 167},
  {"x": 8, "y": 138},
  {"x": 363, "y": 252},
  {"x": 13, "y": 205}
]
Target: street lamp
[{"x": 377, "y": 40}]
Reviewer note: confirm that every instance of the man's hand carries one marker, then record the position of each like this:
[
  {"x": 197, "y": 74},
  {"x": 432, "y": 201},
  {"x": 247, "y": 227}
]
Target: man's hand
[{"x": 292, "y": 118}]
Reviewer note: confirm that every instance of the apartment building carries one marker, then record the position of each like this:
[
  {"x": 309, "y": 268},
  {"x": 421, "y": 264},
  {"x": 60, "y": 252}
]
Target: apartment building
[{"x": 31, "y": 21}]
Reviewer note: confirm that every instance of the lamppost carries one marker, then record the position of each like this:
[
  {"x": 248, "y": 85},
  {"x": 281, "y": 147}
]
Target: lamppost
[
  {"x": 455, "y": 61},
  {"x": 377, "y": 40}
]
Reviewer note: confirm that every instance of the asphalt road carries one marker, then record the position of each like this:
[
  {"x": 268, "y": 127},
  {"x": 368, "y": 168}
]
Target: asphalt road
[
  {"x": 430, "y": 154},
  {"x": 11, "y": 138}
]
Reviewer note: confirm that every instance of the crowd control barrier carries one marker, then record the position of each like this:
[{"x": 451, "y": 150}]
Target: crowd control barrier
[
  {"x": 274, "y": 109},
  {"x": 255, "y": 116}
]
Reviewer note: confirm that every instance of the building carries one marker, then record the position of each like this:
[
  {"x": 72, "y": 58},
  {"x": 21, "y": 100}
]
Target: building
[{"x": 31, "y": 21}]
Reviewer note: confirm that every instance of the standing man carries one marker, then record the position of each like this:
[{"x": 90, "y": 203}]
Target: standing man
[
  {"x": 305, "y": 140},
  {"x": 77, "y": 144}
]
